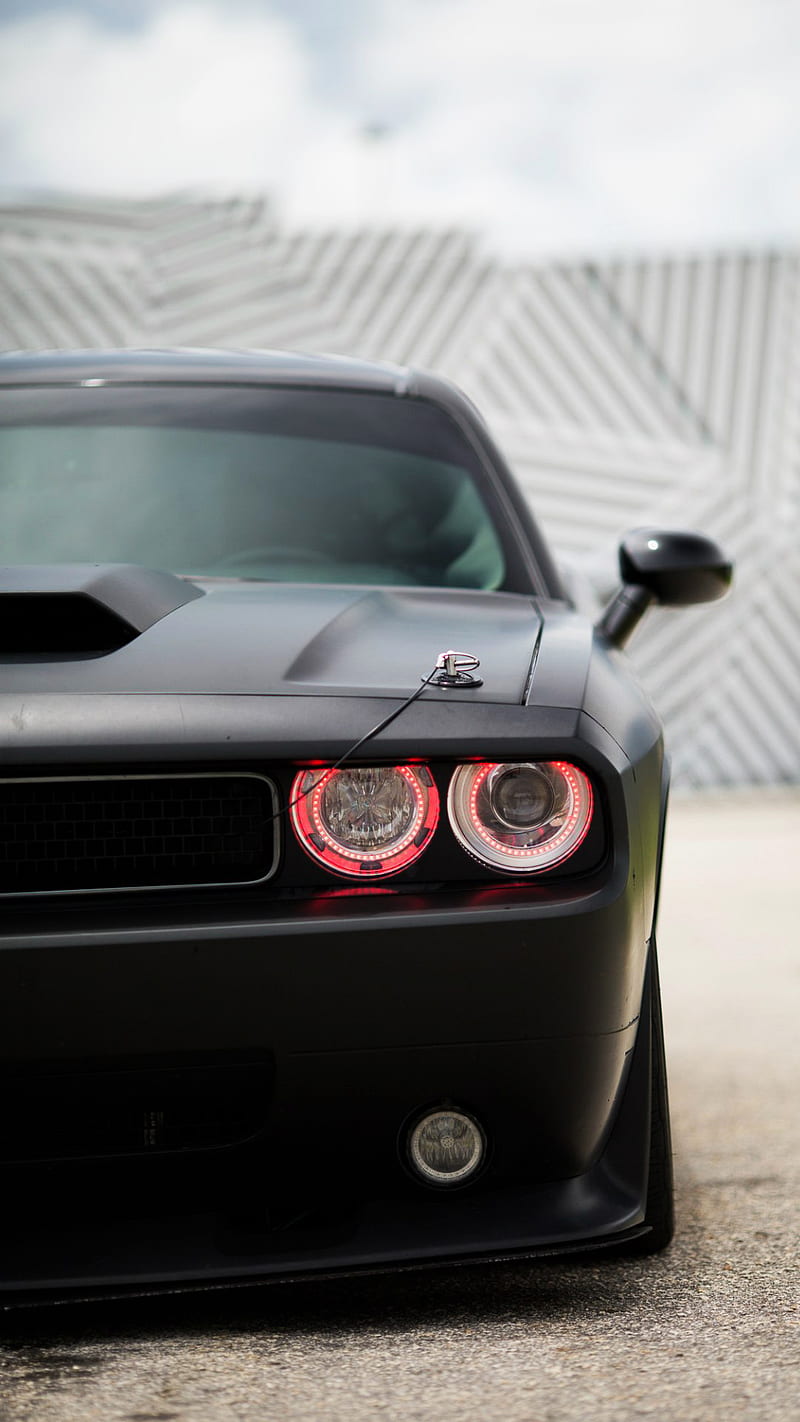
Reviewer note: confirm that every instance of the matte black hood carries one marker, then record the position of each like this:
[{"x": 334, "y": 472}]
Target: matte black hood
[{"x": 282, "y": 639}]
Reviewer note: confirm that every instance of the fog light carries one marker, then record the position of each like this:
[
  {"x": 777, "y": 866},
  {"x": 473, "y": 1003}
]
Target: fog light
[{"x": 446, "y": 1147}]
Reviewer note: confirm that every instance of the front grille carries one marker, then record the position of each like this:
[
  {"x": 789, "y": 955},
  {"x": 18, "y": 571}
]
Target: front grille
[{"x": 71, "y": 834}]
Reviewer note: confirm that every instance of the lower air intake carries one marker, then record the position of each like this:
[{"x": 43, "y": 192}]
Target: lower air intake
[{"x": 146, "y": 1108}]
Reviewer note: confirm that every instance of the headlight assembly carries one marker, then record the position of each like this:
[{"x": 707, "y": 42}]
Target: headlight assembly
[
  {"x": 521, "y": 817},
  {"x": 365, "y": 820}
]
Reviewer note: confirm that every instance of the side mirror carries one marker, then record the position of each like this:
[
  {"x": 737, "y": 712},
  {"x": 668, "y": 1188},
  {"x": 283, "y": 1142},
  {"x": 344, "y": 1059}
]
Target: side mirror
[{"x": 672, "y": 569}]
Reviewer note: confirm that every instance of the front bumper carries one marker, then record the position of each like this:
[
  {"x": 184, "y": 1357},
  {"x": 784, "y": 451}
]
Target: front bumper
[{"x": 351, "y": 1015}]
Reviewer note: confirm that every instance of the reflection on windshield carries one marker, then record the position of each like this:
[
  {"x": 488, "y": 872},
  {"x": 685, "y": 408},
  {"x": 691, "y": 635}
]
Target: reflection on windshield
[{"x": 241, "y": 502}]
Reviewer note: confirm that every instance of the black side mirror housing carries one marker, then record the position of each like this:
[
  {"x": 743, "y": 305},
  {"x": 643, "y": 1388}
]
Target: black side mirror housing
[{"x": 671, "y": 568}]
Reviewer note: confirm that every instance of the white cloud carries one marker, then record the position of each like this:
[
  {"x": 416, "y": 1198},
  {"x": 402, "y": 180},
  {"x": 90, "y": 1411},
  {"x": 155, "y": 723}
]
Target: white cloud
[
  {"x": 199, "y": 95},
  {"x": 549, "y": 124},
  {"x": 598, "y": 122}
]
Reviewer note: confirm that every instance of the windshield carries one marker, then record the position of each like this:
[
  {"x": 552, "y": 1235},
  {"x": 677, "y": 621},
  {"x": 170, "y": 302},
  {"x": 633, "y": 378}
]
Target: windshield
[{"x": 246, "y": 482}]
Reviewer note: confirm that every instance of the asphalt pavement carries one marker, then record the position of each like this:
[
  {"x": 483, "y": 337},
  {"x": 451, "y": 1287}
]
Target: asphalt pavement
[{"x": 707, "y": 1330}]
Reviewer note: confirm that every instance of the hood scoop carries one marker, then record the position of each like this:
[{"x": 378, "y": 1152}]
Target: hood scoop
[{"x": 75, "y": 610}]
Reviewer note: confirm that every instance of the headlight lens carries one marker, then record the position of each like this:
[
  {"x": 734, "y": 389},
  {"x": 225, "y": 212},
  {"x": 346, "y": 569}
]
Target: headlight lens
[
  {"x": 521, "y": 817},
  {"x": 365, "y": 820}
]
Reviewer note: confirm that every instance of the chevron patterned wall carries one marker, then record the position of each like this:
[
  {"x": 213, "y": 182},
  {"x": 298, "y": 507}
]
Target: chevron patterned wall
[{"x": 662, "y": 391}]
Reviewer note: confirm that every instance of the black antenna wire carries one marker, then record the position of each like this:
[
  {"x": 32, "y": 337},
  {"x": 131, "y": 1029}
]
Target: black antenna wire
[{"x": 348, "y": 755}]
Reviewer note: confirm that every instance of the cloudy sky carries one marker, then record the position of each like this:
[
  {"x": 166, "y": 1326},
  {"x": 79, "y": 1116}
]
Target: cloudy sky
[{"x": 548, "y": 125}]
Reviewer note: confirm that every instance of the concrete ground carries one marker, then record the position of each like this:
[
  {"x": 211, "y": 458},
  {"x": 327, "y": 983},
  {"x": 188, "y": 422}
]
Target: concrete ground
[{"x": 707, "y": 1330}]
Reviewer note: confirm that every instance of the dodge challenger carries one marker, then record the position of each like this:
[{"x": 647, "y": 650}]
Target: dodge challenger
[{"x": 330, "y": 836}]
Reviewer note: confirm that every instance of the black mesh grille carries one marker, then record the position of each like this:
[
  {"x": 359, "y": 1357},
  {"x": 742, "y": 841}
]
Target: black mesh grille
[{"x": 134, "y": 832}]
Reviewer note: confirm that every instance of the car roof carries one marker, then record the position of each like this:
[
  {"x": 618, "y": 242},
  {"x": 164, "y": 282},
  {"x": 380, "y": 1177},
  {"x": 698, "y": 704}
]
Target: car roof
[{"x": 202, "y": 366}]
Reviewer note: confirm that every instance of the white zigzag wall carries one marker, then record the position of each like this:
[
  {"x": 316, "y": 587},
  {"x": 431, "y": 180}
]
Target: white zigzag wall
[{"x": 655, "y": 391}]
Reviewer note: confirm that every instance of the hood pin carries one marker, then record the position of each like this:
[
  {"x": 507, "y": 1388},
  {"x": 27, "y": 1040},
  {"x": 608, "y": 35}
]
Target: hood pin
[{"x": 454, "y": 669}]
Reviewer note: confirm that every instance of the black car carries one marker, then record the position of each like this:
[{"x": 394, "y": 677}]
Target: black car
[{"x": 331, "y": 835}]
